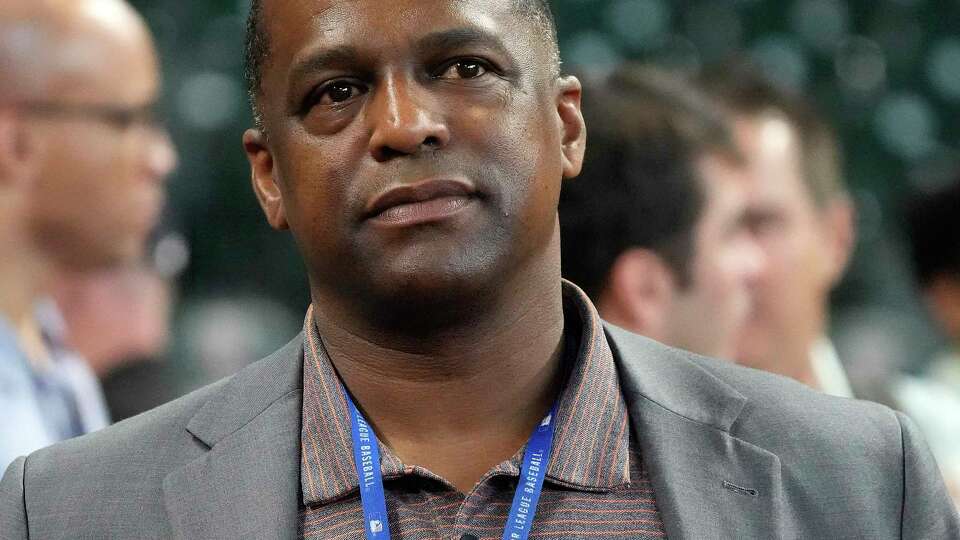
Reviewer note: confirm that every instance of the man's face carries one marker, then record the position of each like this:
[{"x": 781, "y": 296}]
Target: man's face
[
  {"x": 707, "y": 315},
  {"x": 943, "y": 297},
  {"x": 415, "y": 147},
  {"x": 98, "y": 187},
  {"x": 792, "y": 232}
]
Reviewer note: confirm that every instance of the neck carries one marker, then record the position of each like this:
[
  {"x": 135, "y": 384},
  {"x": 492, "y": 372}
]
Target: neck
[
  {"x": 24, "y": 276},
  {"x": 796, "y": 362},
  {"x": 467, "y": 398},
  {"x": 818, "y": 332},
  {"x": 807, "y": 377}
]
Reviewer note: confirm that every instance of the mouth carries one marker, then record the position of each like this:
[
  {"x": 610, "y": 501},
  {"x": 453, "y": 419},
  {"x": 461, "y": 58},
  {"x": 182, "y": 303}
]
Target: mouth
[{"x": 422, "y": 202}]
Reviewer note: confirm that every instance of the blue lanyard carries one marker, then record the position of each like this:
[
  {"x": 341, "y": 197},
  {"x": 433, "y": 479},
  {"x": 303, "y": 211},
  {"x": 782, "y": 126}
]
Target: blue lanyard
[{"x": 366, "y": 455}]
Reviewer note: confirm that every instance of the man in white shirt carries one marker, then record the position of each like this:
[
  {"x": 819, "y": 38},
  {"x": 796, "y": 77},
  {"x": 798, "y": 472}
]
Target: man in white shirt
[{"x": 803, "y": 219}]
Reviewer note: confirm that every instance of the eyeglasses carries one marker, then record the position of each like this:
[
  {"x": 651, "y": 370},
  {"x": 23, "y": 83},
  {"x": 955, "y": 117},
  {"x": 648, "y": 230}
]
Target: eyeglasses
[{"x": 117, "y": 116}]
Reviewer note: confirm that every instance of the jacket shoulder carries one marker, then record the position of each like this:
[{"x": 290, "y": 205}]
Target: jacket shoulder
[
  {"x": 819, "y": 420},
  {"x": 114, "y": 477},
  {"x": 146, "y": 437},
  {"x": 162, "y": 435},
  {"x": 776, "y": 412},
  {"x": 828, "y": 450},
  {"x": 108, "y": 480}
]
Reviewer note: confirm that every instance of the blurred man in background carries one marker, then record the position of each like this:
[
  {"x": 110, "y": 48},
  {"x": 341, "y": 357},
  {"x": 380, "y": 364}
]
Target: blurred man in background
[
  {"x": 654, "y": 229},
  {"x": 933, "y": 398},
  {"x": 934, "y": 230},
  {"x": 81, "y": 169},
  {"x": 803, "y": 219}
]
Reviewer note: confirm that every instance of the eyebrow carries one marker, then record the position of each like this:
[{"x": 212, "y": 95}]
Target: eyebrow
[
  {"x": 461, "y": 37},
  {"x": 325, "y": 58}
]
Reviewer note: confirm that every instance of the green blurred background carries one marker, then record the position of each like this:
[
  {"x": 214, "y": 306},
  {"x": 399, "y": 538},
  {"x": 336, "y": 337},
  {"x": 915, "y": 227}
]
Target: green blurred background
[{"x": 886, "y": 71}]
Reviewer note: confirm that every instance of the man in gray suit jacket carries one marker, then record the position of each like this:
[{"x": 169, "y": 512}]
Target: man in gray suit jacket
[{"x": 416, "y": 156}]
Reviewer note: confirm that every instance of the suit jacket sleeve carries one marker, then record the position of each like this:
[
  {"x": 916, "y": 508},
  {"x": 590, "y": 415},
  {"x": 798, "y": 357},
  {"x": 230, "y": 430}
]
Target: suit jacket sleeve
[
  {"x": 13, "y": 512},
  {"x": 927, "y": 508}
]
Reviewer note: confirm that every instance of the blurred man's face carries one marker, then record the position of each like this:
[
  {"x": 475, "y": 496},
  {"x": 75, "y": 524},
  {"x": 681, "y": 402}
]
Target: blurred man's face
[
  {"x": 792, "y": 294},
  {"x": 943, "y": 297},
  {"x": 707, "y": 315},
  {"x": 414, "y": 148},
  {"x": 98, "y": 188}
]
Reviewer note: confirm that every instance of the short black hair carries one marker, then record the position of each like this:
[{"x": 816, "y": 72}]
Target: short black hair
[
  {"x": 933, "y": 226},
  {"x": 255, "y": 51},
  {"x": 743, "y": 88},
  {"x": 640, "y": 185},
  {"x": 257, "y": 43}
]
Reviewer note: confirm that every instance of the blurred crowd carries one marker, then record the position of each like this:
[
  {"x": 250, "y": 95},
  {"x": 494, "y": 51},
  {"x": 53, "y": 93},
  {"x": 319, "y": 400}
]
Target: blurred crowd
[{"x": 713, "y": 214}]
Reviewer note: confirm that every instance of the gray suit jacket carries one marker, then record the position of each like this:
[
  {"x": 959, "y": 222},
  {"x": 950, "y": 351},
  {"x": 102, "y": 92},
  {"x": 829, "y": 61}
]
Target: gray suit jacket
[{"x": 732, "y": 453}]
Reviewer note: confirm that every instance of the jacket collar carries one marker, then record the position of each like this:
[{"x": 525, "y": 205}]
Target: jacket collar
[
  {"x": 246, "y": 485},
  {"x": 248, "y": 393},
  {"x": 670, "y": 379}
]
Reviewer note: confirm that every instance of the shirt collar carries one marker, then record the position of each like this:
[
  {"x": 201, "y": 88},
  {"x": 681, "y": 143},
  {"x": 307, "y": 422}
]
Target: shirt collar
[
  {"x": 591, "y": 448},
  {"x": 591, "y": 445},
  {"x": 53, "y": 331},
  {"x": 828, "y": 370},
  {"x": 327, "y": 470}
]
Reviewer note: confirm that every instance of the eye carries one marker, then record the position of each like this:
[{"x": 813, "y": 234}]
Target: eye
[
  {"x": 464, "y": 69},
  {"x": 334, "y": 93},
  {"x": 762, "y": 223}
]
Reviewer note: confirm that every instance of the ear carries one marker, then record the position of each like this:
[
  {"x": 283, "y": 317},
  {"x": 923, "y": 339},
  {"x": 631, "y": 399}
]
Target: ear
[
  {"x": 840, "y": 221},
  {"x": 264, "y": 180},
  {"x": 572, "y": 128},
  {"x": 639, "y": 292}
]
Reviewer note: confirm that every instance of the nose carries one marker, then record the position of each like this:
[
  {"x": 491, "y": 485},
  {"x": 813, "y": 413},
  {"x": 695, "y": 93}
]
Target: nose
[
  {"x": 754, "y": 260},
  {"x": 404, "y": 120},
  {"x": 161, "y": 156}
]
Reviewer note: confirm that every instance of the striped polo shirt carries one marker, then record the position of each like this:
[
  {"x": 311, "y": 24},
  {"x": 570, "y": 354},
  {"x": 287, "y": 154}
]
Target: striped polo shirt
[{"x": 596, "y": 485}]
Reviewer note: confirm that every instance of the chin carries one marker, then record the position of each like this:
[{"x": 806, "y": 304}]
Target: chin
[
  {"x": 444, "y": 267},
  {"x": 424, "y": 299},
  {"x": 435, "y": 285}
]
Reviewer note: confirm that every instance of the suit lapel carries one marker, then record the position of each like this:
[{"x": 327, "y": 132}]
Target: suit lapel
[
  {"x": 248, "y": 484},
  {"x": 708, "y": 483}
]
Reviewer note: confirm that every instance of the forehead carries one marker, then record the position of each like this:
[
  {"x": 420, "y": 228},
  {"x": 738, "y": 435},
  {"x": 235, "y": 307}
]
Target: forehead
[
  {"x": 130, "y": 77},
  {"x": 378, "y": 27},
  {"x": 773, "y": 152},
  {"x": 327, "y": 15},
  {"x": 95, "y": 51},
  {"x": 716, "y": 168}
]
